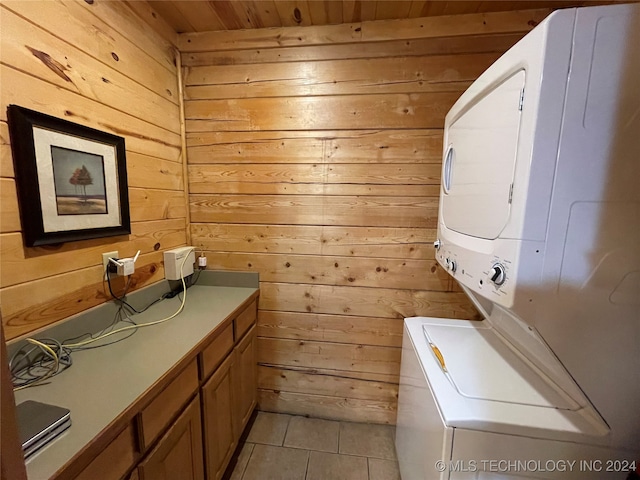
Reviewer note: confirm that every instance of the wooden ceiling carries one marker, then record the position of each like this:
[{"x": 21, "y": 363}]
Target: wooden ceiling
[{"x": 203, "y": 16}]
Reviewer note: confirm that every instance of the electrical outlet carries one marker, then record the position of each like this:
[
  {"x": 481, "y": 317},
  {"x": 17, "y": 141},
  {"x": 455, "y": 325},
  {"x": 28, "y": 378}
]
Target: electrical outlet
[{"x": 105, "y": 259}]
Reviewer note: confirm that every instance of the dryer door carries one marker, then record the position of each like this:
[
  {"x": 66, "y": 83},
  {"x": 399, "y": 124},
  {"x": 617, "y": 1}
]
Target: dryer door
[{"x": 479, "y": 162}]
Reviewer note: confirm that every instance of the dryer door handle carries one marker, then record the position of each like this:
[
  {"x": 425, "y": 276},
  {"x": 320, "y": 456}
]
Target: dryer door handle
[{"x": 447, "y": 169}]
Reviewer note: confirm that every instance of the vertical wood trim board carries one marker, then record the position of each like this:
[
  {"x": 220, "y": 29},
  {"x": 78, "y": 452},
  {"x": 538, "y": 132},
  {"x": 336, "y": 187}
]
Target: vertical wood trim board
[
  {"x": 183, "y": 144},
  {"x": 118, "y": 76},
  {"x": 314, "y": 159}
]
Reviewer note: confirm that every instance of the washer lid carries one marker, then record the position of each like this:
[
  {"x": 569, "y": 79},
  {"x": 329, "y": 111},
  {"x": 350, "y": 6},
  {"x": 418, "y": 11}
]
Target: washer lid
[{"x": 481, "y": 365}]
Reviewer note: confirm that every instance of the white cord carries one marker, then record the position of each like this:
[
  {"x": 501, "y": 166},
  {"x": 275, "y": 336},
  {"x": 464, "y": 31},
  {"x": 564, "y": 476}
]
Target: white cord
[{"x": 131, "y": 327}]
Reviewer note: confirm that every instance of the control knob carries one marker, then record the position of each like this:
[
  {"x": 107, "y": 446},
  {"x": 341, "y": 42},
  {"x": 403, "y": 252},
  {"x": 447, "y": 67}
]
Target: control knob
[
  {"x": 497, "y": 274},
  {"x": 453, "y": 266}
]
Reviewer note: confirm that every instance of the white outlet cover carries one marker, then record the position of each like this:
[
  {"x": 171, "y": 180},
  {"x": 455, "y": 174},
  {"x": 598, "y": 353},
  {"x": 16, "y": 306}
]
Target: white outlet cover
[{"x": 105, "y": 259}]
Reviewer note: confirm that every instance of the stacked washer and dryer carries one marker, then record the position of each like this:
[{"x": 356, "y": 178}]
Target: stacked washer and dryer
[{"x": 539, "y": 222}]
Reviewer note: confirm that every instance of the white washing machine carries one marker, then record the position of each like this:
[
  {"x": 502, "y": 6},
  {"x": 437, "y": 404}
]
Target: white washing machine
[{"x": 539, "y": 222}]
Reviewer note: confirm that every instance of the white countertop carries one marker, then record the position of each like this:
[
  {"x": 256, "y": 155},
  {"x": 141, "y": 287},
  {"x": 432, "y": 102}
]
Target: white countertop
[{"x": 104, "y": 382}]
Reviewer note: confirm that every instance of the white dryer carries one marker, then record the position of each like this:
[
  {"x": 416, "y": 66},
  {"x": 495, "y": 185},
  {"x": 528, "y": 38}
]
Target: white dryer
[{"x": 539, "y": 222}]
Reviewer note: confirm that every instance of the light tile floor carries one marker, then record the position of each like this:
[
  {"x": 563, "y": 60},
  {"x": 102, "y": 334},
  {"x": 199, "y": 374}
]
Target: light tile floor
[{"x": 289, "y": 447}]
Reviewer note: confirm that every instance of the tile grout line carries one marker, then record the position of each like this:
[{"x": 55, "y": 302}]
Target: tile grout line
[
  {"x": 286, "y": 430},
  {"x": 244, "y": 470},
  {"x": 306, "y": 470}
]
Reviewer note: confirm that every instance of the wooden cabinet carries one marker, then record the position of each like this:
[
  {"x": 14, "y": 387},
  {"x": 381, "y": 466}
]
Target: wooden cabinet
[
  {"x": 165, "y": 407},
  {"x": 114, "y": 460},
  {"x": 218, "y": 406},
  {"x": 245, "y": 376},
  {"x": 230, "y": 396},
  {"x": 178, "y": 454},
  {"x": 246, "y": 319},
  {"x": 194, "y": 418},
  {"x": 216, "y": 351}
]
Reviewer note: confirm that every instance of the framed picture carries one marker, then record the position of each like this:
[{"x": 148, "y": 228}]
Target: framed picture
[{"x": 71, "y": 179}]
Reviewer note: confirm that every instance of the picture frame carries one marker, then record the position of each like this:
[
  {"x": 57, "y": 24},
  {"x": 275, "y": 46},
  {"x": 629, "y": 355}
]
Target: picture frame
[{"x": 71, "y": 179}]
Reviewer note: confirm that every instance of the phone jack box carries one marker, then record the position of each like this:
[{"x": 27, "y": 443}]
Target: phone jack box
[{"x": 173, "y": 260}]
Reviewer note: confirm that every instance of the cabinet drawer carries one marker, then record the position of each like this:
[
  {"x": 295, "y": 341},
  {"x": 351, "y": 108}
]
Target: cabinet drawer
[
  {"x": 178, "y": 455},
  {"x": 245, "y": 320},
  {"x": 164, "y": 408},
  {"x": 114, "y": 461},
  {"x": 216, "y": 351}
]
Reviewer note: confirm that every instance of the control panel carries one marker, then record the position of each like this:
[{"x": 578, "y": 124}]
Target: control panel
[{"x": 488, "y": 274}]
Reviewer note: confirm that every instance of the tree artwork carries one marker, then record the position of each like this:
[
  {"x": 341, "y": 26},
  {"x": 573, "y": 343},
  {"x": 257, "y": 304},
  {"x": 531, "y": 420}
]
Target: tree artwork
[
  {"x": 82, "y": 177},
  {"x": 74, "y": 180}
]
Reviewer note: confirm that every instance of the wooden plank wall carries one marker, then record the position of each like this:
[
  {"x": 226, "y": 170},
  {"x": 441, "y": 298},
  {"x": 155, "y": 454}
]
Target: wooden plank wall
[
  {"x": 314, "y": 159},
  {"x": 98, "y": 64}
]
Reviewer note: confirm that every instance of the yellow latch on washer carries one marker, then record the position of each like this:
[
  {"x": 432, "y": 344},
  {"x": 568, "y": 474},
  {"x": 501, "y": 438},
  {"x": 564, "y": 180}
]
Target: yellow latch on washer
[{"x": 439, "y": 356}]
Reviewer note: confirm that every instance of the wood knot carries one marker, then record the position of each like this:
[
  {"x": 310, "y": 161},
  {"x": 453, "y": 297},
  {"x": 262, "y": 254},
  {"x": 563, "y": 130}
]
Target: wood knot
[
  {"x": 156, "y": 247},
  {"x": 57, "y": 67},
  {"x": 297, "y": 15},
  {"x": 336, "y": 265},
  {"x": 115, "y": 56},
  {"x": 287, "y": 264},
  {"x": 378, "y": 269},
  {"x": 351, "y": 279}
]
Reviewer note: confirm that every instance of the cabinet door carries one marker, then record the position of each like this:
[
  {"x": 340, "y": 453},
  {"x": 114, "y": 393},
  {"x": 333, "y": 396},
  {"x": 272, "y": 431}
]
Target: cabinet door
[
  {"x": 179, "y": 452},
  {"x": 219, "y": 438},
  {"x": 246, "y": 380}
]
